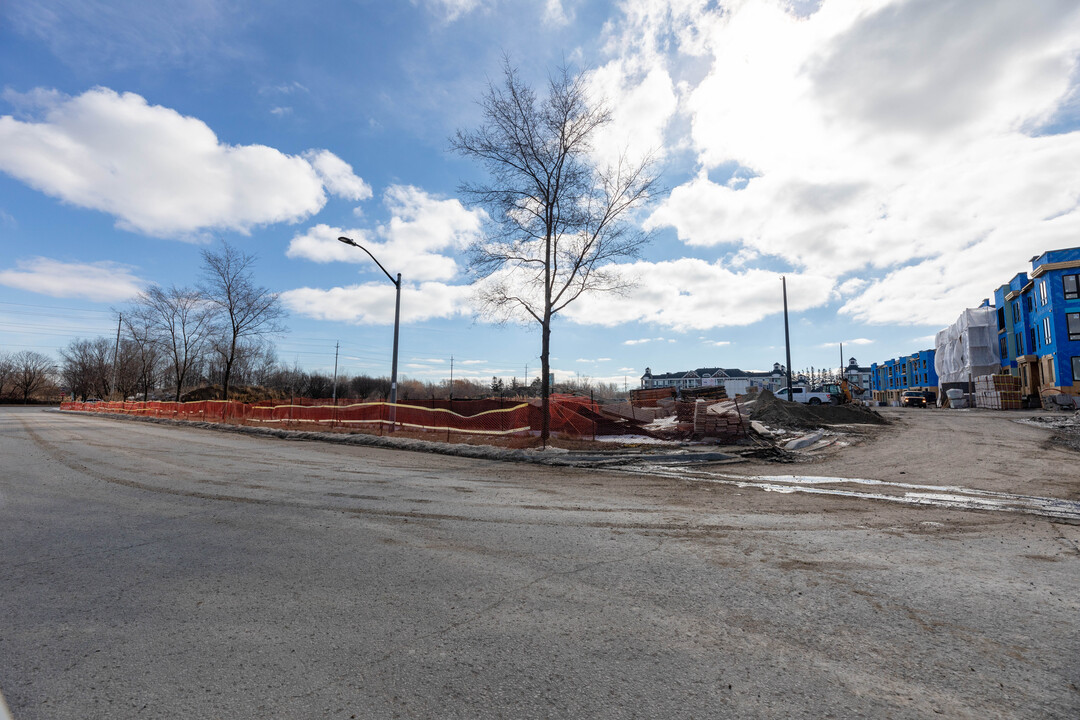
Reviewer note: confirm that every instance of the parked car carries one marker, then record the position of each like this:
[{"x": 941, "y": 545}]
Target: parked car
[
  {"x": 912, "y": 398},
  {"x": 802, "y": 395}
]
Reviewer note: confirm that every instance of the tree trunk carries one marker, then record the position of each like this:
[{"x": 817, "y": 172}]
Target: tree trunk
[{"x": 545, "y": 386}]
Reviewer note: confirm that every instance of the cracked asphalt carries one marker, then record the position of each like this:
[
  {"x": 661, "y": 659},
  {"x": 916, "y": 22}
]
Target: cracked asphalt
[{"x": 154, "y": 571}]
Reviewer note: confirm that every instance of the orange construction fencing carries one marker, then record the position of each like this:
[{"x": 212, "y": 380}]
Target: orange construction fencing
[{"x": 519, "y": 418}]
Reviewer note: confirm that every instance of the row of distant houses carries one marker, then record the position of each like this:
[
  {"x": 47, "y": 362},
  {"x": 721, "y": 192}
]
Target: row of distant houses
[
  {"x": 737, "y": 382},
  {"x": 1032, "y": 331}
]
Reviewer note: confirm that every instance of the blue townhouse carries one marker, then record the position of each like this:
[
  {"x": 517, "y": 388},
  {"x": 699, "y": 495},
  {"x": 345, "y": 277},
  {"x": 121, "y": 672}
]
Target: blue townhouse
[
  {"x": 909, "y": 372},
  {"x": 1039, "y": 324}
]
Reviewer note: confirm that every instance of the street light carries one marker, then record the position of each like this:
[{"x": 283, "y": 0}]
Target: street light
[{"x": 397, "y": 316}]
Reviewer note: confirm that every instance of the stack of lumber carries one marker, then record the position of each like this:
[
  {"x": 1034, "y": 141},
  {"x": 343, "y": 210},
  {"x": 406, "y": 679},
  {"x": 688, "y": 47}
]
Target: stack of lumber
[
  {"x": 719, "y": 420},
  {"x": 715, "y": 392},
  {"x": 684, "y": 415},
  {"x": 997, "y": 392},
  {"x": 650, "y": 397}
]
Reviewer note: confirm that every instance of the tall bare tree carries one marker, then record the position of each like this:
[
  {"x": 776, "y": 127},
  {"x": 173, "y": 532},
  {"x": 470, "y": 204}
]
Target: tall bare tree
[
  {"x": 32, "y": 373},
  {"x": 245, "y": 310},
  {"x": 180, "y": 321},
  {"x": 557, "y": 215}
]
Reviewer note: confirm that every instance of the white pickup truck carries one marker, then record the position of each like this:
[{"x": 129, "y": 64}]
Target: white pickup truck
[{"x": 802, "y": 395}]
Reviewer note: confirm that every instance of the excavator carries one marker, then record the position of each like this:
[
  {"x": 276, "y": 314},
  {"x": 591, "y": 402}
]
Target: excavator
[{"x": 841, "y": 393}]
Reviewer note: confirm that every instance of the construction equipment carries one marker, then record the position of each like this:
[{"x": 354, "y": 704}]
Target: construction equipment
[{"x": 841, "y": 393}]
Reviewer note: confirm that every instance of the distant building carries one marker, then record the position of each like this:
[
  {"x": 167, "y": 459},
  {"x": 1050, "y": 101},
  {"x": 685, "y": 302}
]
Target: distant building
[
  {"x": 910, "y": 372},
  {"x": 734, "y": 380},
  {"x": 1039, "y": 324}
]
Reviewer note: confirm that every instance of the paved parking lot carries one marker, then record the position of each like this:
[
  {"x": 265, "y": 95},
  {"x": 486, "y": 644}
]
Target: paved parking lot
[{"x": 158, "y": 571}]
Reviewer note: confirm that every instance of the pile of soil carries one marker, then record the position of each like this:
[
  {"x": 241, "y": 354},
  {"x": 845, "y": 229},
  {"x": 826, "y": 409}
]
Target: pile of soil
[
  {"x": 237, "y": 393},
  {"x": 774, "y": 412}
]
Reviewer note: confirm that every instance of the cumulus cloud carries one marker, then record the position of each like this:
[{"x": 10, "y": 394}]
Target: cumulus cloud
[
  {"x": 694, "y": 294},
  {"x": 337, "y": 175},
  {"x": 161, "y": 173},
  {"x": 97, "y": 281},
  {"x": 373, "y": 303},
  {"x": 419, "y": 240},
  {"x": 899, "y": 140}
]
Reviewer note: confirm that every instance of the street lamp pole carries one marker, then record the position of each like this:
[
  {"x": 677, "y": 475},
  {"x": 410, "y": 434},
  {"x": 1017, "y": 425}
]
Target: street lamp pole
[{"x": 397, "y": 319}]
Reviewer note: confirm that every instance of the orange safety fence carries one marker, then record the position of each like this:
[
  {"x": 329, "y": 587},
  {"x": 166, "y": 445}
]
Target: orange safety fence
[{"x": 520, "y": 418}]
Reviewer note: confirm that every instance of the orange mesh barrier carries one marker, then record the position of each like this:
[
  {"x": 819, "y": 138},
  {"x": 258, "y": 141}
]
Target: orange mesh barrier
[{"x": 497, "y": 420}]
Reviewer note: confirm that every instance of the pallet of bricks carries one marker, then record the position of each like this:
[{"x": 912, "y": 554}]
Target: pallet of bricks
[{"x": 997, "y": 392}]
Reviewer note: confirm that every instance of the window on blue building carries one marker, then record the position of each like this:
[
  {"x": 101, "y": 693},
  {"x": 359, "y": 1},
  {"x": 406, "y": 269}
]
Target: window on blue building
[
  {"x": 1046, "y": 330},
  {"x": 1033, "y": 339},
  {"x": 1073, "y": 322},
  {"x": 1027, "y": 304},
  {"x": 1019, "y": 344},
  {"x": 1076, "y": 369},
  {"x": 1071, "y": 284},
  {"x": 1016, "y": 312},
  {"x": 1042, "y": 293},
  {"x": 1003, "y": 347}
]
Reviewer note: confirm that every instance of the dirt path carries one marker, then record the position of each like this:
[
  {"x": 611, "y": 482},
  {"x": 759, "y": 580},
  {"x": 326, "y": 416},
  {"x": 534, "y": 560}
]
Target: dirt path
[{"x": 978, "y": 449}]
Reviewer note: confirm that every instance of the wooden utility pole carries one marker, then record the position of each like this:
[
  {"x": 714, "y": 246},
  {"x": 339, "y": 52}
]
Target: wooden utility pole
[
  {"x": 787, "y": 338},
  {"x": 116, "y": 354}
]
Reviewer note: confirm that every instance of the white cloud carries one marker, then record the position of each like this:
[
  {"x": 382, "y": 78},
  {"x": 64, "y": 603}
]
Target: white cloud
[
  {"x": 159, "y": 172},
  {"x": 422, "y": 229},
  {"x": 642, "y": 341},
  {"x": 373, "y": 303},
  {"x": 555, "y": 14},
  {"x": 694, "y": 294},
  {"x": 856, "y": 341},
  {"x": 337, "y": 175},
  {"x": 718, "y": 343},
  {"x": 98, "y": 281},
  {"x": 450, "y": 10},
  {"x": 894, "y": 139}
]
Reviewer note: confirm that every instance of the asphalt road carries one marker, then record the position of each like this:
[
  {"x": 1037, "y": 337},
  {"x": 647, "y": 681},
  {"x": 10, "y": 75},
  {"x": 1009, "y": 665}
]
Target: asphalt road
[{"x": 150, "y": 571}]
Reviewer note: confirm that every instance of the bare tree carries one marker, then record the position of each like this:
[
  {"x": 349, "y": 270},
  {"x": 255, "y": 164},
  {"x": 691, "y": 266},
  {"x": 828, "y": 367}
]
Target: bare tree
[
  {"x": 245, "y": 309},
  {"x": 32, "y": 372},
  {"x": 146, "y": 351},
  {"x": 7, "y": 374},
  {"x": 557, "y": 217},
  {"x": 87, "y": 367},
  {"x": 180, "y": 322}
]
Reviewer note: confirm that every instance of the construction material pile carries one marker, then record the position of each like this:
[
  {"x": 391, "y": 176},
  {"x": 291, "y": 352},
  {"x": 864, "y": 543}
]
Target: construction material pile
[
  {"x": 721, "y": 420},
  {"x": 969, "y": 347},
  {"x": 997, "y": 392},
  {"x": 774, "y": 412}
]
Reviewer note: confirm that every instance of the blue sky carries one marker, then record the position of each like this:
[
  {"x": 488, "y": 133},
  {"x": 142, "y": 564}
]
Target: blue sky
[{"x": 896, "y": 160}]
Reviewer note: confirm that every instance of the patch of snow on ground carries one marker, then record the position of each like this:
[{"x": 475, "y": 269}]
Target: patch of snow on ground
[{"x": 634, "y": 440}]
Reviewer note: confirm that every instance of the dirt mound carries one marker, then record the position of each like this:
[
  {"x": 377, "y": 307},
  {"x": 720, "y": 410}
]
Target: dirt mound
[
  {"x": 775, "y": 412},
  {"x": 239, "y": 393}
]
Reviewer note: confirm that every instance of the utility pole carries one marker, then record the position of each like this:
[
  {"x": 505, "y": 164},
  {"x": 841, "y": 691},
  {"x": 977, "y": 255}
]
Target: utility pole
[
  {"x": 451, "y": 378},
  {"x": 116, "y": 354},
  {"x": 787, "y": 338},
  {"x": 336, "y": 346}
]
